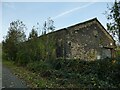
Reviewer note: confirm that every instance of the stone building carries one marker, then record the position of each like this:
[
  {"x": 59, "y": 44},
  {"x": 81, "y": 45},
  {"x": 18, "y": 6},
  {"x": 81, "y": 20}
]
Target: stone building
[{"x": 86, "y": 41}]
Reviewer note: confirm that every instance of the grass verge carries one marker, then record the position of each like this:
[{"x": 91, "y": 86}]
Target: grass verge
[{"x": 32, "y": 79}]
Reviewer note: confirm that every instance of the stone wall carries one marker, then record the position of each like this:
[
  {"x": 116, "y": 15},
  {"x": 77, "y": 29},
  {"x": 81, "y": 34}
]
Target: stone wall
[{"x": 88, "y": 41}]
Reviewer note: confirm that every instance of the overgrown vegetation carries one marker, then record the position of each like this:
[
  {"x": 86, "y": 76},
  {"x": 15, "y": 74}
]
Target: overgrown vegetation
[
  {"x": 38, "y": 56},
  {"x": 74, "y": 73},
  {"x": 113, "y": 16},
  {"x": 18, "y": 48}
]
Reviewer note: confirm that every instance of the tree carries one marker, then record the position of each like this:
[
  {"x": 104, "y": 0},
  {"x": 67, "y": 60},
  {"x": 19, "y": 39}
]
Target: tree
[
  {"x": 113, "y": 15},
  {"x": 32, "y": 45},
  {"x": 48, "y": 27},
  {"x": 44, "y": 28},
  {"x": 33, "y": 34},
  {"x": 14, "y": 37}
]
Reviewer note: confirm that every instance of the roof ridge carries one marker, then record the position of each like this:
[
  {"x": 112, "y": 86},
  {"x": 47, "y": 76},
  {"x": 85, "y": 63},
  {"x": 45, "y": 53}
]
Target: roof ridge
[
  {"x": 83, "y": 22},
  {"x": 93, "y": 19}
]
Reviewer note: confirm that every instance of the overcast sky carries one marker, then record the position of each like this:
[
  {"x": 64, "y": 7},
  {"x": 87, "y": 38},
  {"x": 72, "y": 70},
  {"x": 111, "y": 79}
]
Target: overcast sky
[{"x": 64, "y": 14}]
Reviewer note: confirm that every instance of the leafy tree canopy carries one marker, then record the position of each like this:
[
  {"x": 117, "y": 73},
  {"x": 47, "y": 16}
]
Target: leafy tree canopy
[
  {"x": 14, "y": 36},
  {"x": 113, "y": 16},
  {"x": 33, "y": 34}
]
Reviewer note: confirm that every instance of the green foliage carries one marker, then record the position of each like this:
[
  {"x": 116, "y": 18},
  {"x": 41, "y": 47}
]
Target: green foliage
[
  {"x": 75, "y": 73},
  {"x": 41, "y": 67},
  {"x": 14, "y": 37},
  {"x": 36, "y": 48},
  {"x": 113, "y": 15},
  {"x": 23, "y": 56},
  {"x": 37, "y": 66},
  {"x": 33, "y": 34},
  {"x": 38, "y": 54},
  {"x": 51, "y": 48},
  {"x": 100, "y": 74},
  {"x": 48, "y": 26}
]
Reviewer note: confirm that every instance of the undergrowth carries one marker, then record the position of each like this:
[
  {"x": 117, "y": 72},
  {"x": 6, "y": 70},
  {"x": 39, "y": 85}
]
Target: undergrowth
[{"x": 70, "y": 73}]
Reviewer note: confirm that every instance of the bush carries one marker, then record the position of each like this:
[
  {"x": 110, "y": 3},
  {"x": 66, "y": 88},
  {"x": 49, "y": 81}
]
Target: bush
[
  {"x": 99, "y": 73},
  {"x": 23, "y": 57},
  {"x": 38, "y": 66}
]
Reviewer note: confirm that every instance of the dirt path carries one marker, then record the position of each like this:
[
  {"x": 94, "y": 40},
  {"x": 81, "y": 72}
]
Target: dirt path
[{"x": 9, "y": 80}]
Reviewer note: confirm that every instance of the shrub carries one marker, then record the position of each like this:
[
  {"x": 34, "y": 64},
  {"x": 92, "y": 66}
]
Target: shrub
[
  {"x": 22, "y": 58},
  {"x": 99, "y": 73},
  {"x": 38, "y": 66}
]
